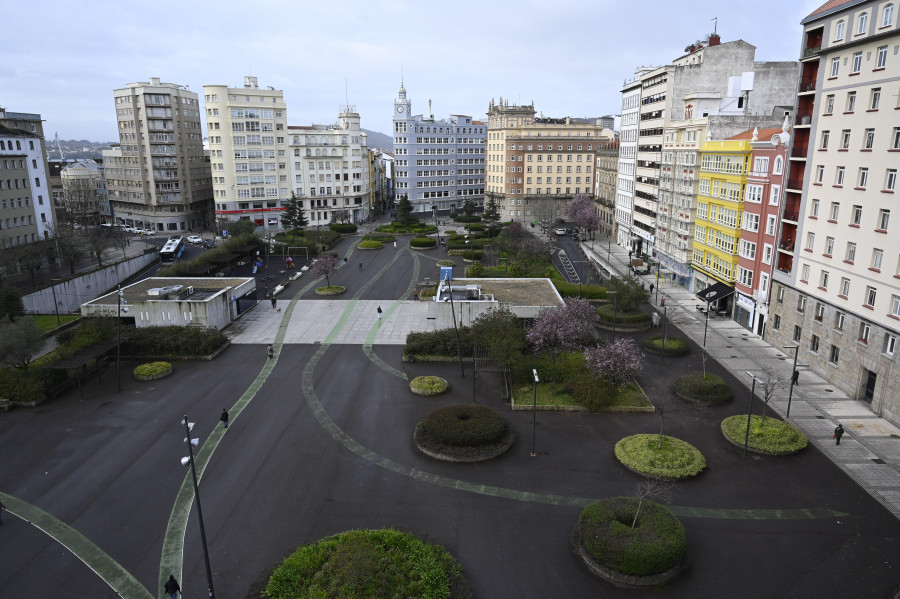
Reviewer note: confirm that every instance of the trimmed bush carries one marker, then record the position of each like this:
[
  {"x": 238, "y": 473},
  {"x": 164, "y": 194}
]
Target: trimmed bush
[
  {"x": 710, "y": 388},
  {"x": 416, "y": 228},
  {"x": 438, "y": 343},
  {"x": 445, "y": 263},
  {"x": 30, "y": 385},
  {"x": 343, "y": 228},
  {"x": 776, "y": 437},
  {"x": 175, "y": 342},
  {"x": 676, "y": 459},
  {"x": 152, "y": 368},
  {"x": 655, "y": 545},
  {"x": 422, "y": 242},
  {"x": 471, "y": 254},
  {"x": 428, "y": 385},
  {"x": 368, "y": 563},
  {"x": 475, "y": 270},
  {"x": 673, "y": 347},
  {"x": 370, "y": 244},
  {"x": 382, "y": 237},
  {"x": 330, "y": 290},
  {"x": 464, "y": 433},
  {"x": 567, "y": 289},
  {"x": 608, "y": 314}
]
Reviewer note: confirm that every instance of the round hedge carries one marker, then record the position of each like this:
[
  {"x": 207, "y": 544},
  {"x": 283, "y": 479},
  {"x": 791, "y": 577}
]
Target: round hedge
[
  {"x": 775, "y": 438},
  {"x": 343, "y": 228},
  {"x": 382, "y": 237},
  {"x": 332, "y": 290},
  {"x": 152, "y": 371},
  {"x": 697, "y": 387},
  {"x": 428, "y": 385},
  {"x": 655, "y": 545},
  {"x": 676, "y": 459},
  {"x": 370, "y": 244},
  {"x": 609, "y": 314},
  {"x": 368, "y": 563},
  {"x": 673, "y": 347},
  {"x": 464, "y": 433},
  {"x": 422, "y": 242}
]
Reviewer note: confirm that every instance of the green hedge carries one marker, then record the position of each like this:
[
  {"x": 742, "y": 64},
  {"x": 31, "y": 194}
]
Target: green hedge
[
  {"x": 368, "y": 563},
  {"x": 475, "y": 270},
  {"x": 608, "y": 314},
  {"x": 370, "y": 244},
  {"x": 462, "y": 218},
  {"x": 776, "y": 436},
  {"x": 710, "y": 388},
  {"x": 407, "y": 229},
  {"x": 569, "y": 375},
  {"x": 471, "y": 254},
  {"x": 152, "y": 368},
  {"x": 655, "y": 545},
  {"x": 676, "y": 459},
  {"x": 464, "y": 425},
  {"x": 673, "y": 346},
  {"x": 382, "y": 237},
  {"x": 29, "y": 385},
  {"x": 343, "y": 228},
  {"x": 438, "y": 343},
  {"x": 428, "y": 385},
  {"x": 175, "y": 342},
  {"x": 567, "y": 289},
  {"x": 423, "y": 242}
]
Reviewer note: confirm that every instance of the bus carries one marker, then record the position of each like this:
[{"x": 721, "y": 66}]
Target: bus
[{"x": 172, "y": 250}]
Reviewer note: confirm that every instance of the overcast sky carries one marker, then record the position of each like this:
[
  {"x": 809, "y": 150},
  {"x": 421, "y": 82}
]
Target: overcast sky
[{"x": 64, "y": 59}]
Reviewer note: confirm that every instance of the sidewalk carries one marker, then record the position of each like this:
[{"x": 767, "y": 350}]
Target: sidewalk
[{"x": 870, "y": 451}]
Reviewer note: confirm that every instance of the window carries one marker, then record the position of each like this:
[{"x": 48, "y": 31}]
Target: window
[
  {"x": 829, "y": 248},
  {"x": 895, "y": 139},
  {"x": 890, "y": 341},
  {"x": 871, "y": 295},
  {"x": 845, "y": 287},
  {"x": 850, "y": 256},
  {"x": 776, "y": 322},
  {"x": 895, "y": 305},
  {"x": 820, "y": 174},
  {"x": 804, "y": 273},
  {"x": 839, "y": 176},
  {"x": 810, "y": 240},
  {"x": 826, "y": 135},
  {"x": 768, "y": 251},
  {"x": 829, "y": 104},
  {"x": 748, "y": 249},
  {"x": 839, "y": 321},
  {"x": 798, "y": 331},
  {"x": 881, "y": 57},
  {"x": 864, "y": 332},
  {"x": 862, "y": 23},
  {"x": 770, "y": 224},
  {"x": 851, "y": 101},
  {"x": 835, "y": 66},
  {"x": 890, "y": 179},
  {"x": 820, "y": 312},
  {"x": 814, "y": 344},
  {"x": 834, "y": 210},
  {"x": 884, "y": 216},
  {"x": 856, "y": 63},
  {"x": 814, "y": 208},
  {"x": 801, "y": 304},
  {"x": 875, "y": 98},
  {"x": 887, "y": 15},
  {"x": 773, "y": 197},
  {"x": 869, "y": 139},
  {"x": 863, "y": 179},
  {"x": 751, "y": 222},
  {"x": 745, "y": 277},
  {"x": 835, "y": 354},
  {"x": 839, "y": 30},
  {"x": 877, "y": 258},
  {"x": 845, "y": 139},
  {"x": 780, "y": 296},
  {"x": 857, "y": 215}
]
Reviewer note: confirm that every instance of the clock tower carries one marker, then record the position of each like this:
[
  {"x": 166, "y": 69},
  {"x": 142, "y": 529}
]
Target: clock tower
[{"x": 402, "y": 106}]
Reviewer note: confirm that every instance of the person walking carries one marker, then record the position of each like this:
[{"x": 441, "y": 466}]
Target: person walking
[
  {"x": 838, "y": 433},
  {"x": 2, "y": 507},
  {"x": 379, "y": 312},
  {"x": 795, "y": 378},
  {"x": 224, "y": 418},
  {"x": 652, "y": 287},
  {"x": 662, "y": 302},
  {"x": 171, "y": 587},
  {"x": 416, "y": 294},
  {"x": 360, "y": 265},
  {"x": 270, "y": 351},
  {"x": 273, "y": 302}
]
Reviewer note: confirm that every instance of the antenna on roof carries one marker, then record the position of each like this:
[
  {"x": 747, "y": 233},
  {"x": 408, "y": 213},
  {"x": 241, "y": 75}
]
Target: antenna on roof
[{"x": 715, "y": 21}]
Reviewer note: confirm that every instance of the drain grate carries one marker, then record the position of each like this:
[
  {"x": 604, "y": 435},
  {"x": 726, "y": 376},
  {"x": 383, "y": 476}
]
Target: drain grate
[{"x": 878, "y": 460}]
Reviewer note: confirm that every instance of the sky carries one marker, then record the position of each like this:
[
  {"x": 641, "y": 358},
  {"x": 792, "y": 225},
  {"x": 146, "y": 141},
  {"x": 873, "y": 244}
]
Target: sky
[{"x": 63, "y": 60}]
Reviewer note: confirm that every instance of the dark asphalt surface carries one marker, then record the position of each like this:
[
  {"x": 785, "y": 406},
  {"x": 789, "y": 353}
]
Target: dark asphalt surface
[{"x": 109, "y": 467}]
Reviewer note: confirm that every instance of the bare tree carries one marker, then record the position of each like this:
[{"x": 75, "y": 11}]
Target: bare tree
[
  {"x": 342, "y": 215},
  {"x": 96, "y": 241},
  {"x": 80, "y": 197},
  {"x": 650, "y": 488},
  {"x": 770, "y": 381},
  {"x": 704, "y": 356}
]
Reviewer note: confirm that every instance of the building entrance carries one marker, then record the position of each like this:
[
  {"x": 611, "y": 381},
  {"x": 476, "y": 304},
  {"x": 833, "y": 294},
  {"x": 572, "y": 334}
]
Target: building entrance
[{"x": 868, "y": 385}]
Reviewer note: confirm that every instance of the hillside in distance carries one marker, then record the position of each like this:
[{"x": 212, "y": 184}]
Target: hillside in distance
[{"x": 380, "y": 140}]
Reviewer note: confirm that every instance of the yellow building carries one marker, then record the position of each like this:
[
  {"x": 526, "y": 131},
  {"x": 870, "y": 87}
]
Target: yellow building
[{"x": 724, "y": 166}]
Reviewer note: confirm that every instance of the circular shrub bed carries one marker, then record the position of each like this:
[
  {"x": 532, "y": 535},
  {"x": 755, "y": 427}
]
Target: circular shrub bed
[
  {"x": 382, "y": 237},
  {"x": 673, "y": 347},
  {"x": 343, "y": 228},
  {"x": 445, "y": 263},
  {"x": 152, "y": 371},
  {"x": 370, "y": 244},
  {"x": 609, "y": 314},
  {"x": 368, "y": 563},
  {"x": 608, "y": 535},
  {"x": 331, "y": 290},
  {"x": 428, "y": 385},
  {"x": 697, "y": 387},
  {"x": 422, "y": 242},
  {"x": 775, "y": 438},
  {"x": 676, "y": 459},
  {"x": 464, "y": 433}
]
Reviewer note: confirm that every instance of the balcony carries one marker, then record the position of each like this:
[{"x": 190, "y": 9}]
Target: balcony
[
  {"x": 811, "y": 51},
  {"x": 799, "y": 150},
  {"x": 795, "y": 184},
  {"x": 791, "y": 216},
  {"x": 803, "y": 120},
  {"x": 807, "y": 86}
]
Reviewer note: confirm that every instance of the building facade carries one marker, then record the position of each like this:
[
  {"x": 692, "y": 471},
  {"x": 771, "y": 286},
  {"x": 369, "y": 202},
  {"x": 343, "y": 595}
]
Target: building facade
[
  {"x": 439, "y": 164},
  {"x": 605, "y": 177},
  {"x": 330, "y": 170},
  {"x": 836, "y": 294},
  {"x": 162, "y": 180},
  {"x": 628, "y": 137},
  {"x": 248, "y": 152},
  {"x": 84, "y": 191}
]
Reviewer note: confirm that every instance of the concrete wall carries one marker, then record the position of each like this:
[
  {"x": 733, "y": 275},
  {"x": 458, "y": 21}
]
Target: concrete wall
[{"x": 72, "y": 293}]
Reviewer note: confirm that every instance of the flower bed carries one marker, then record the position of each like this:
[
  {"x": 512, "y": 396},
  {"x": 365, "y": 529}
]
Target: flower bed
[
  {"x": 695, "y": 386},
  {"x": 152, "y": 371},
  {"x": 775, "y": 438},
  {"x": 370, "y": 244},
  {"x": 676, "y": 459},
  {"x": 331, "y": 290},
  {"x": 673, "y": 346},
  {"x": 428, "y": 385},
  {"x": 464, "y": 433}
]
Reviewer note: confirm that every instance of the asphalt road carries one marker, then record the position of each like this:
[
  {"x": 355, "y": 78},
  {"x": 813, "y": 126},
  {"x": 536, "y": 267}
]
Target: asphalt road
[{"x": 325, "y": 445}]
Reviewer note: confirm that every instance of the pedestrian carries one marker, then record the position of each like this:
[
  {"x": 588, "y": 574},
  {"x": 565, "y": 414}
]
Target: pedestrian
[
  {"x": 224, "y": 418},
  {"x": 651, "y": 288},
  {"x": 416, "y": 294},
  {"x": 379, "y": 312},
  {"x": 360, "y": 265},
  {"x": 838, "y": 433},
  {"x": 395, "y": 243},
  {"x": 795, "y": 378},
  {"x": 345, "y": 261},
  {"x": 172, "y": 587},
  {"x": 270, "y": 351},
  {"x": 662, "y": 302},
  {"x": 273, "y": 301},
  {"x": 2, "y": 507},
  {"x": 655, "y": 318}
]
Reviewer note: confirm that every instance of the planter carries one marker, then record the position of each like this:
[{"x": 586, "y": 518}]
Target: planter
[
  {"x": 152, "y": 371},
  {"x": 333, "y": 290}
]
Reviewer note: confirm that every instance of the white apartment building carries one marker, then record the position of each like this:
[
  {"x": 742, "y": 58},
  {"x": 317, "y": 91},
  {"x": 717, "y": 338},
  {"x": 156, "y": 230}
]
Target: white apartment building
[
  {"x": 164, "y": 182},
  {"x": 248, "y": 151},
  {"x": 329, "y": 170},
  {"x": 628, "y": 138}
]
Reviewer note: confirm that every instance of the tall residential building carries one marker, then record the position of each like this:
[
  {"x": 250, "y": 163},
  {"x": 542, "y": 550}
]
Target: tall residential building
[
  {"x": 84, "y": 190},
  {"x": 628, "y": 137},
  {"x": 162, "y": 180},
  {"x": 605, "y": 178},
  {"x": 330, "y": 169},
  {"x": 836, "y": 293},
  {"x": 439, "y": 163},
  {"x": 26, "y": 205},
  {"x": 536, "y": 165},
  {"x": 248, "y": 151}
]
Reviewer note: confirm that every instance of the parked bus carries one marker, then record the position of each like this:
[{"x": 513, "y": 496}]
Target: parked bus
[{"x": 172, "y": 250}]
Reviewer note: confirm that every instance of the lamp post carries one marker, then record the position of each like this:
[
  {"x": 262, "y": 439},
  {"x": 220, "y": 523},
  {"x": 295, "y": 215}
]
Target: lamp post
[
  {"x": 749, "y": 412},
  {"x": 796, "y": 349},
  {"x": 119, "y": 309},
  {"x": 55, "y": 304},
  {"x": 706, "y": 324},
  {"x": 191, "y": 443},
  {"x": 534, "y": 412},
  {"x": 665, "y": 328},
  {"x": 615, "y": 295},
  {"x": 462, "y": 370}
]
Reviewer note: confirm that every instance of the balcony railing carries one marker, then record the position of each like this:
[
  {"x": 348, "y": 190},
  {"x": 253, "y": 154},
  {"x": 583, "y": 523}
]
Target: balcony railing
[
  {"x": 787, "y": 246},
  {"x": 795, "y": 184},
  {"x": 811, "y": 51}
]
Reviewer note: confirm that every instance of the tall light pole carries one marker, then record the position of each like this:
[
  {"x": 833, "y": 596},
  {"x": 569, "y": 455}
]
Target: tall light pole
[
  {"x": 706, "y": 324},
  {"x": 534, "y": 412},
  {"x": 119, "y": 309},
  {"x": 796, "y": 349},
  {"x": 191, "y": 443},
  {"x": 749, "y": 412},
  {"x": 55, "y": 304},
  {"x": 615, "y": 295}
]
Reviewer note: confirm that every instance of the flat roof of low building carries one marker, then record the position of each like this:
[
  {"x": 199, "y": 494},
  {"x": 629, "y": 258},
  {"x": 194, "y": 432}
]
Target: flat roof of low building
[
  {"x": 204, "y": 288},
  {"x": 517, "y": 292}
]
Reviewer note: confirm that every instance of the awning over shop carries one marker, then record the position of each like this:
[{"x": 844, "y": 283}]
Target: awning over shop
[{"x": 715, "y": 292}]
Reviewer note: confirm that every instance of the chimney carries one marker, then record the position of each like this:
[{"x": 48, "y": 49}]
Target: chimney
[{"x": 714, "y": 39}]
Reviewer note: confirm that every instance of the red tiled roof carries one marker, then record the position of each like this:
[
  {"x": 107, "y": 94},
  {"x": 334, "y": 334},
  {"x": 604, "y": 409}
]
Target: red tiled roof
[
  {"x": 828, "y": 6},
  {"x": 763, "y": 134}
]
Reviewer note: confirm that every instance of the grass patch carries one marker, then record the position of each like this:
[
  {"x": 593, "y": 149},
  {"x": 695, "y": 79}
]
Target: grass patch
[
  {"x": 368, "y": 563},
  {"x": 152, "y": 368},
  {"x": 776, "y": 437},
  {"x": 370, "y": 244},
  {"x": 407, "y": 229},
  {"x": 676, "y": 459},
  {"x": 672, "y": 347},
  {"x": 695, "y": 386},
  {"x": 330, "y": 290},
  {"x": 47, "y": 322},
  {"x": 428, "y": 385}
]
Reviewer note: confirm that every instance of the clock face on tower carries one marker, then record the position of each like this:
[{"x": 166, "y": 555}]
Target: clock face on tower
[{"x": 399, "y": 109}]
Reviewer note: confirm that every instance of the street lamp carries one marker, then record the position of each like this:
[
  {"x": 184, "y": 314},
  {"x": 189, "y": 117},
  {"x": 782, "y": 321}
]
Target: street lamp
[
  {"x": 796, "y": 349},
  {"x": 534, "y": 411},
  {"x": 615, "y": 295},
  {"x": 55, "y": 304},
  {"x": 191, "y": 443},
  {"x": 119, "y": 309},
  {"x": 749, "y": 412},
  {"x": 706, "y": 324}
]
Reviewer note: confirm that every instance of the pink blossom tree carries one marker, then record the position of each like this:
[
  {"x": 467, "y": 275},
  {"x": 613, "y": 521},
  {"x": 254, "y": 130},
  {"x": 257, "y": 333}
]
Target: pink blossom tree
[
  {"x": 325, "y": 265},
  {"x": 563, "y": 328},
  {"x": 617, "y": 363},
  {"x": 578, "y": 203}
]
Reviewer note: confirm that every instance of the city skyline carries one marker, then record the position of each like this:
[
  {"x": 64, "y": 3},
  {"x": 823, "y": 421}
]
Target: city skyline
[{"x": 357, "y": 54}]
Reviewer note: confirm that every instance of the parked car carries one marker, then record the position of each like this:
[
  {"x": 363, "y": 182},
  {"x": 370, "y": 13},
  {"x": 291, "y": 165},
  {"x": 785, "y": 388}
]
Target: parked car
[
  {"x": 195, "y": 239},
  {"x": 560, "y": 231},
  {"x": 209, "y": 243},
  {"x": 130, "y": 230}
]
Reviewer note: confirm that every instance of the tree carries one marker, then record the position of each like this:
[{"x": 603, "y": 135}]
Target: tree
[
  {"x": 770, "y": 381},
  {"x": 80, "y": 199},
  {"x": 120, "y": 239},
  {"x": 238, "y": 227},
  {"x": 28, "y": 258},
  {"x": 97, "y": 240},
  {"x": 294, "y": 216},
  {"x": 618, "y": 363},
  {"x": 341, "y": 216},
  {"x": 663, "y": 401},
  {"x": 563, "y": 328},
  {"x": 491, "y": 216},
  {"x": 404, "y": 210},
  {"x": 468, "y": 207},
  {"x": 580, "y": 202},
  {"x": 20, "y": 341},
  {"x": 501, "y": 333},
  {"x": 324, "y": 266},
  {"x": 588, "y": 219},
  {"x": 629, "y": 294},
  {"x": 70, "y": 247},
  {"x": 651, "y": 488},
  {"x": 11, "y": 305}
]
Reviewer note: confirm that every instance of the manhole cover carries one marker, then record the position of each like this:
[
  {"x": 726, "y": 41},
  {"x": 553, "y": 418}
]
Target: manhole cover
[
  {"x": 734, "y": 356},
  {"x": 728, "y": 346}
]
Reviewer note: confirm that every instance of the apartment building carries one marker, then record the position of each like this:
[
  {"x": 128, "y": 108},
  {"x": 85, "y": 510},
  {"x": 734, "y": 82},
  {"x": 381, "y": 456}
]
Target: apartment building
[
  {"x": 84, "y": 191},
  {"x": 162, "y": 180},
  {"x": 535, "y": 165},
  {"x": 836, "y": 294},
  {"x": 605, "y": 179},
  {"x": 439, "y": 164},
  {"x": 628, "y": 137},
  {"x": 330, "y": 169},
  {"x": 248, "y": 152},
  {"x": 26, "y": 205}
]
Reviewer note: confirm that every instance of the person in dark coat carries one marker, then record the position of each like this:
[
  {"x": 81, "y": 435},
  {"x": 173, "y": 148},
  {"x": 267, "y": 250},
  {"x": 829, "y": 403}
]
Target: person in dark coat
[
  {"x": 379, "y": 312},
  {"x": 171, "y": 587},
  {"x": 270, "y": 351},
  {"x": 360, "y": 265},
  {"x": 838, "y": 433},
  {"x": 224, "y": 418},
  {"x": 273, "y": 302},
  {"x": 795, "y": 378}
]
